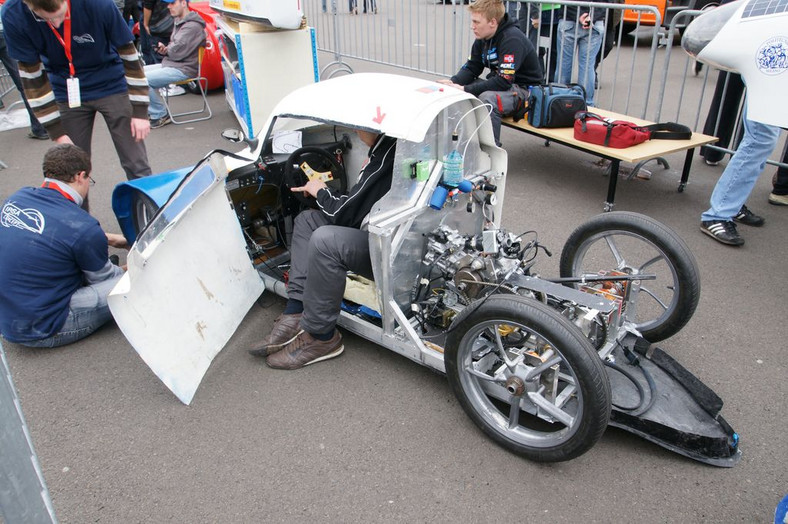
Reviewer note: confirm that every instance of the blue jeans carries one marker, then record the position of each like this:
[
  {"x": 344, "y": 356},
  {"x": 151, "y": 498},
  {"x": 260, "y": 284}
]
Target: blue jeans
[
  {"x": 158, "y": 77},
  {"x": 743, "y": 169},
  {"x": 87, "y": 311},
  {"x": 588, "y": 42}
]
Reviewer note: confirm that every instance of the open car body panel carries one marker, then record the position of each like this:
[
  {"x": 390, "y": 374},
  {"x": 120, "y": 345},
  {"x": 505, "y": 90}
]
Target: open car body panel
[{"x": 189, "y": 282}]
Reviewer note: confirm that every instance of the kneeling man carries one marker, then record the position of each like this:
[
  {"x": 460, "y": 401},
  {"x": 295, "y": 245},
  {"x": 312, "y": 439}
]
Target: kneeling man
[{"x": 55, "y": 272}]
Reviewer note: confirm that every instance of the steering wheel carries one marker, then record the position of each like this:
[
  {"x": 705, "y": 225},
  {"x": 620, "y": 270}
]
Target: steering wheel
[{"x": 318, "y": 162}]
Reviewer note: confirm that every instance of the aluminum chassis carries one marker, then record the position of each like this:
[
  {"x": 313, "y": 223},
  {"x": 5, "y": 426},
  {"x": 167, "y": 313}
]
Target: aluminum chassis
[{"x": 697, "y": 431}]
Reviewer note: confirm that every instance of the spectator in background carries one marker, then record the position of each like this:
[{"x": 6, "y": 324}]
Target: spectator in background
[
  {"x": 108, "y": 76},
  {"x": 157, "y": 24},
  {"x": 36, "y": 129},
  {"x": 736, "y": 183},
  {"x": 540, "y": 21},
  {"x": 581, "y": 28},
  {"x": 779, "y": 194},
  {"x": 723, "y": 116},
  {"x": 181, "y": 58}
]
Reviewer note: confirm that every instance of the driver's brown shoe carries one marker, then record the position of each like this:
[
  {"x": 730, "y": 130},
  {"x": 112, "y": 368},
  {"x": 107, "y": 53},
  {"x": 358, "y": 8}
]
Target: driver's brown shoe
[
  {"x": 286, "y": 329},
  {"x": 305, "y": 350}
]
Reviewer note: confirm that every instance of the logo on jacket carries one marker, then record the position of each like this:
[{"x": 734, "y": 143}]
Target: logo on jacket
[
  {"x": 28, "y": 219},
  {"x": 83, "y": 39},
  {"x": 772, "y": 56},
  {"x": 509, "y": 59}
]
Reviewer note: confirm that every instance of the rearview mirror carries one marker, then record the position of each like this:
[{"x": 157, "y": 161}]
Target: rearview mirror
[{"x": 233, "y": 135}]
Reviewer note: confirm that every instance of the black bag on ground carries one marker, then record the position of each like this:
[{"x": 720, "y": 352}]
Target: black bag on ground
[{"x": 555, "y": 105}]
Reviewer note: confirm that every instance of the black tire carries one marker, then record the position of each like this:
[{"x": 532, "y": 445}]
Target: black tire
[
  {"x": 142, "y": 212},
  {"x": 658, "y": 308},
  {"x": 528, "y": 326}
]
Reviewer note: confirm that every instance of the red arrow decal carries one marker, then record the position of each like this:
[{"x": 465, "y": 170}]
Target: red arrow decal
[{"x": 379, "y": 119}]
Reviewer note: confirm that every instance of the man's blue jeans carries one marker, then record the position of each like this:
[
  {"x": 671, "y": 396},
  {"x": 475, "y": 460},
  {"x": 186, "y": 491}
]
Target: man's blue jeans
[
  {"x": 87, "y": 311},
  {"x": 736, "y": 183},
  {"x": 588, "y": 41},
  {"x": 158, "y": 77}
]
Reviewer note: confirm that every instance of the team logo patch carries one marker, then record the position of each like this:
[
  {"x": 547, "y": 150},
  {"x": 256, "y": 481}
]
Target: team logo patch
[
  {"x": 772, "y": 57},
  {"x": 87, "y": 38},
  {"x": 27, "y": 219},
  {"x": 508, "y": 58}
]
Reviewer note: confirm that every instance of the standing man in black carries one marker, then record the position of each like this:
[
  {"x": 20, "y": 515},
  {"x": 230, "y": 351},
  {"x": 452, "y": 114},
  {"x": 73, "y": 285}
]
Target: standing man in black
[{"x": 504, "y": 49}]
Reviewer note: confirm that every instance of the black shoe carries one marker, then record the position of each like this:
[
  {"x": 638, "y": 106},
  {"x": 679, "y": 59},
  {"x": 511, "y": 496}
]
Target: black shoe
[
  {"x": 722, "y": 231},
  {"x": 160, "y": 122},
  {"x": 748, "y": 218}
]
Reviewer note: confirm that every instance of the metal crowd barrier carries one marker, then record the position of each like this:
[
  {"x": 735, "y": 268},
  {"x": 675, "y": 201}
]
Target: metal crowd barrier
[{"x": 646, "y": 74}]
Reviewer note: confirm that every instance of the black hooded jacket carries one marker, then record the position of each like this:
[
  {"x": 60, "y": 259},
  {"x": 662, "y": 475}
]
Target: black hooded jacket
[
  {"x": 509, "y": 56},
  {"x": 374, "y": 181}
]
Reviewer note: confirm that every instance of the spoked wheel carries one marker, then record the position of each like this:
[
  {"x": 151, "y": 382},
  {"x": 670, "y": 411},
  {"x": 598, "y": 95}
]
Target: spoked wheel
[
  {"x": 528, "y": 378},
  {"x": 634, "y": 244}
]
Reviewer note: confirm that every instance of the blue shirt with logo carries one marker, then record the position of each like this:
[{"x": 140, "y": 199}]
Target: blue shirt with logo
[
  {"x": 46, "y": 242},
  {"x": 97, "y": 30}
]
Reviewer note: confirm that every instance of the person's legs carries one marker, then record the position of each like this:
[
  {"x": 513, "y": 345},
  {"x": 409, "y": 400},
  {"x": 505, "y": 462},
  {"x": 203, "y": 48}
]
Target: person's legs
[
  {"x": 88, "y": 311},
  {"x": 78, "y": 123},
  {"x": 333, "y": 251},
  {"x": 723, "y": 114},
  {"x": 738, "y": 179},
  {"x": 588, "y": 44},
  {"x": 116, "y": 110},
  {"x": 287, "y": 325},
  {"x": 567, "y": 39},
  {"x": 503, "y": 104},
  {"x": 780, "y": 184},
  {"x": 158, "y": 77}
]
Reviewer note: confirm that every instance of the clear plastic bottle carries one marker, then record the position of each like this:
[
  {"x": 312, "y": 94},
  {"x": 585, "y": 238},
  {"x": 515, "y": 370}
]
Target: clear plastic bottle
[{"x": 453, "y": 166}]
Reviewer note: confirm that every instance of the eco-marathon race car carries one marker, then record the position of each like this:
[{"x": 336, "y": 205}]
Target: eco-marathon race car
[{"x": 541, "y": 365}]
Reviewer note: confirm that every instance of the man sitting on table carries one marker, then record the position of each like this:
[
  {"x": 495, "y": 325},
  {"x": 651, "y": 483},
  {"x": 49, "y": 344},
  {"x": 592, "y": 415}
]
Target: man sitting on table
[{"x": 511, "y": 58}]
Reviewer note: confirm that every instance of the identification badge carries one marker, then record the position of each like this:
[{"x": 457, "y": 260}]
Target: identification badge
[{"x": 72, "y": 87}]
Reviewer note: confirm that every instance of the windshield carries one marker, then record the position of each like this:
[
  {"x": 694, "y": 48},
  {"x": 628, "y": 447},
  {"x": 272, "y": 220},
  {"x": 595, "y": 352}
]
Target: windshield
[{"x": 190, "y": 189}]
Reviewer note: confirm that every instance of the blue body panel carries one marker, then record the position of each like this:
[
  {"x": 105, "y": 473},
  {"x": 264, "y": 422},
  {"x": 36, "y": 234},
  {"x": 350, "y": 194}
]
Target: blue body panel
[{"x": 156, "y": 187}]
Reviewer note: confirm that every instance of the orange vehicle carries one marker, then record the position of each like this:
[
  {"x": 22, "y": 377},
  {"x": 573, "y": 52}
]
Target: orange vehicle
[{"x": 667, "y": 9}]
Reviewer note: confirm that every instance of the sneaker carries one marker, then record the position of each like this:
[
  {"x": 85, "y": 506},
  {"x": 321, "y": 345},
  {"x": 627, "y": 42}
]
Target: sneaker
[
  {"x": 174, "y": 90},
  {"x": 778, "y": 200},
  {"x": 711, "y": 162},
  {"x": 160, "y": 122},
  {"x": 286, "y": 328},
  {"x": 722, "y": 231},
  {"x": 305, "y": 350},
  {"x": 748, "y": 218},
  {"x": 37, "y": 136}
]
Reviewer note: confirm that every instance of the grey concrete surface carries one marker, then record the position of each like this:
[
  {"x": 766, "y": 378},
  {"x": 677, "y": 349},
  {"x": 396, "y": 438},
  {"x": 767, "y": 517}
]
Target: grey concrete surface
[{"x": 373, "y": 437}]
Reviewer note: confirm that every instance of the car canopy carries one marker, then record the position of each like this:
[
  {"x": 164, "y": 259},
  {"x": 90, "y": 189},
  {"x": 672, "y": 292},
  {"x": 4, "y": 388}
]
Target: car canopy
[{"x": 399, "y": 106}]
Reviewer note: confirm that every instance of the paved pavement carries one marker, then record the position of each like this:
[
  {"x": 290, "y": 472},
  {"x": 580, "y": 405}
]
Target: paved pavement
[{"x": 372, "y": 436}]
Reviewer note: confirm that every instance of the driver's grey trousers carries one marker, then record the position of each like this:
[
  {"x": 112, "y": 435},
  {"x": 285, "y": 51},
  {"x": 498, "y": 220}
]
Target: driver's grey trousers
[{"x": 321, "y": 254}]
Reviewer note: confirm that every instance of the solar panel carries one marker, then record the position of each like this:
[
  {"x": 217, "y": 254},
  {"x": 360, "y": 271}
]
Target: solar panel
[{"x": 764, "y": 7}]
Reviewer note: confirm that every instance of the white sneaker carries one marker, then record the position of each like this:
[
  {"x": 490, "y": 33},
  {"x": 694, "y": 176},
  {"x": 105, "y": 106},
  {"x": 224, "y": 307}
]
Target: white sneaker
[{"x": 174, "y": 90}]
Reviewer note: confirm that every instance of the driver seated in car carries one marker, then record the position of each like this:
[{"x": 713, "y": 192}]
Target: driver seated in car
[{"x": 327, "y": 243}]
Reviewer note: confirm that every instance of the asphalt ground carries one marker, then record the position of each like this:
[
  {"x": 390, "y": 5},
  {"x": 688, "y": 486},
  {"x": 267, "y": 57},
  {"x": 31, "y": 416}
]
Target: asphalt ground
[{"x": 372, "y": 436}]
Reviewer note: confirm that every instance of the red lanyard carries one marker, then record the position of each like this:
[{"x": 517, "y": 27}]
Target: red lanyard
[
  {"x": 65, "y": 40},
  {"x": 50, "y": 185}
]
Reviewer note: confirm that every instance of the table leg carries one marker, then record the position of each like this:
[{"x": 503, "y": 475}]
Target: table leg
[
  {"x": 686, "y": 170},
  {"x": 611, "y": 187}
]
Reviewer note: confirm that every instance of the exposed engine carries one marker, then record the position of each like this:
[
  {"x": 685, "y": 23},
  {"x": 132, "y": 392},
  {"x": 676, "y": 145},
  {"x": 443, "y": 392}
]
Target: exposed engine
[{"x": 458, "y": 269}]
